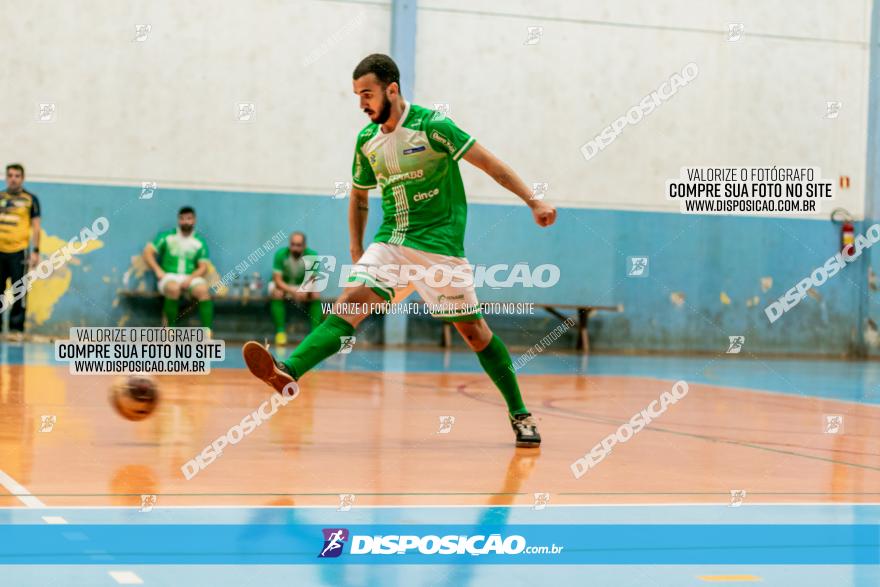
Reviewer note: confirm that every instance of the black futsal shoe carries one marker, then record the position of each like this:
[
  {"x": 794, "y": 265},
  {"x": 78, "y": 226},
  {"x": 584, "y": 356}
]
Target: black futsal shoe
[{"x": 526, "y": 430}]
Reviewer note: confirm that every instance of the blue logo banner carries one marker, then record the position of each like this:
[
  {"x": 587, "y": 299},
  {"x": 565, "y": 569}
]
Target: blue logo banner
[{"x": 547, "y": 544}]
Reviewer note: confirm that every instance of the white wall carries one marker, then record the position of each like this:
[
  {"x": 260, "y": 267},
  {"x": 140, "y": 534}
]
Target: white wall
[
  {"x": 164, "y": 109},
  {"x": 756, "y": 102}
]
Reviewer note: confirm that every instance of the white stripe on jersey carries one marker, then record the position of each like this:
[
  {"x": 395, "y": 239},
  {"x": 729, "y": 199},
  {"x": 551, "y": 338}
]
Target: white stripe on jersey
[
  {"x": 401, "y": 205},
  {"x": 391, "y": 155},
  {"x": 401, "y": 216}
]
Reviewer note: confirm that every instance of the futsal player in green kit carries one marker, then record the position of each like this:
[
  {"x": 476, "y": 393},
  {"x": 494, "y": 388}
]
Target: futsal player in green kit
[
  {"x": 179, "y": 258},
  {"x": 411, "y": 154},
  {"x": 289, "y": 266}
]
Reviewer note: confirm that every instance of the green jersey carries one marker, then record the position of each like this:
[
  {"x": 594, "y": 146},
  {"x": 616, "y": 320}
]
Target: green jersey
[
  {"x": 292, "y": 270},
  {"x": 416, "y": 167},
  {"x": 178, "y": 253}
]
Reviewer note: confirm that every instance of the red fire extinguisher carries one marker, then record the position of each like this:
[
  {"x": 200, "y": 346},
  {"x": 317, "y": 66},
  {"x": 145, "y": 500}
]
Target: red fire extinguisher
[
  {"x": 847, "y": 238},
  {"x": 847, "y": 231}
]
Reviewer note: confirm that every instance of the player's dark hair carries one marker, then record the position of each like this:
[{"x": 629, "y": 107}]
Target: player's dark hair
[
  {"x": 382, "y": 66},
  {"x": 18, "y": 166},
  {"x": 299, "y": 233},
  {"x": 186, "y": 210}
]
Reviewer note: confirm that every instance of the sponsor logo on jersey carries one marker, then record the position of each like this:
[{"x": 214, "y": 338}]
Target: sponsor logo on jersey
[
  {"x": 415, "y": 174},
  {"x": 421, "y": 196},
  {"x": 414, "y": 150},
  {"x": 444, "y": 297},
  {"x": 443, "y": 141}
]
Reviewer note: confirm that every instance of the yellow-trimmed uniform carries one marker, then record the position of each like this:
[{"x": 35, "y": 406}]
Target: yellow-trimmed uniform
[{"x": 17, "y": 212}]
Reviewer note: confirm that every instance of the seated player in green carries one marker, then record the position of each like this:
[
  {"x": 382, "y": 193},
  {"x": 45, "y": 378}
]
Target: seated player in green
[
  {"x": 288, "y": 270},
  {"x": 181, "y": 266}
]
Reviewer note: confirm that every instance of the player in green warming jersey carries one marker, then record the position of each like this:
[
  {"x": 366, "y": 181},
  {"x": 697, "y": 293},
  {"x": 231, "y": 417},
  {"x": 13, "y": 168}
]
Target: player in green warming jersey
[
  {"x": 289, "y": 267},
  {"x": 411, "y": 154},
  {"x": 179, "y": 258}
]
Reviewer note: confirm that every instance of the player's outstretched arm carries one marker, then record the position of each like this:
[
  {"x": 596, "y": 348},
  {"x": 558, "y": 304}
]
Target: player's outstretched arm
[
  {"x": 358, "y": 208},
  {"x": 501, "y": 172}
]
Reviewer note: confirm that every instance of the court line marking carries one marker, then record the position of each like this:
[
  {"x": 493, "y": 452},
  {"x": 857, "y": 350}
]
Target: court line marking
[
  {"x": 724, "y": 386},
  {"x": 753, "y": 444},
  {"x": 729, "y": 578},
  {"x": 591, "y": 493},
  {"x": 440, "y": 506},
  {"x": 126, "y": 577},
  {"x": 614, "y": 374},
  {"x": 18, "y": 490},
  {"x": 736, "y": 388},
  {"x": 707, "y": 382},
  {"x": 549, "y": 409}
]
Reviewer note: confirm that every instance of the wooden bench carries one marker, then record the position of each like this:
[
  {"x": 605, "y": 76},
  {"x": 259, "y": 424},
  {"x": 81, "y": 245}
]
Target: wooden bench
[
  {"x": 582, "y": 342},
  {"x": 260, "y": 298},
  {"x": 246, "y": 307}
]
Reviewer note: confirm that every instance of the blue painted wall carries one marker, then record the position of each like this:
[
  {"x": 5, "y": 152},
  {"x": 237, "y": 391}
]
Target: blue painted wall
[
  {"x": 698, "y": 257},
  {"x": 869, "y": 315}
]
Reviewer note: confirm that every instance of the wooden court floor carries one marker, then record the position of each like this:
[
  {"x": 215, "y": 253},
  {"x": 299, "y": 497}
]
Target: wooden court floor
[{"x": 377, "y": 436}]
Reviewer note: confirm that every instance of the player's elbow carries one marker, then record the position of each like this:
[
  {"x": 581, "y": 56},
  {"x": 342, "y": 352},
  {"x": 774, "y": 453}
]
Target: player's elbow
[{"x": 502, "y": 175}]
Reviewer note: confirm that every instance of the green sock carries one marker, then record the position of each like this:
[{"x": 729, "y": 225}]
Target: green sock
[
  {"x": 324, "y": 341},
  {"x": 316, "y": 314},
  {"x": 206, "y": 312},
  {"x": 497, "y": 364},
  {"x": 279, "y": 314},
  {"x": 171, "y": 308}
]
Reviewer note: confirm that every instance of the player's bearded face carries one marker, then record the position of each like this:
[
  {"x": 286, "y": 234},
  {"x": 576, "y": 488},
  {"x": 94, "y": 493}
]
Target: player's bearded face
[
  {"x": 384, "y": 111},
  {"x": 186, "y": 224}
]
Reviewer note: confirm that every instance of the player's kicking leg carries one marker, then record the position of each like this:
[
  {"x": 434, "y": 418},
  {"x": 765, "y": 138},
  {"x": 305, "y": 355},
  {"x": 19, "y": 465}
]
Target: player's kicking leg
[
  {"x": 324, "y": 341},
  {"x": 496, "y": 362}
]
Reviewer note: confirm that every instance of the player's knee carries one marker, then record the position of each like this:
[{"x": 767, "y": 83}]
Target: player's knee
[
  {"x": 478, "y": 326},
  {"x": 348, "y": 295},
  {"x": 476, "y": 334},
  {"x": 200, "y": 292},
  {"x": 359, "y": 295},
  {"x": 356, "y": 303},
  {"x": 171, "y": 290}
]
